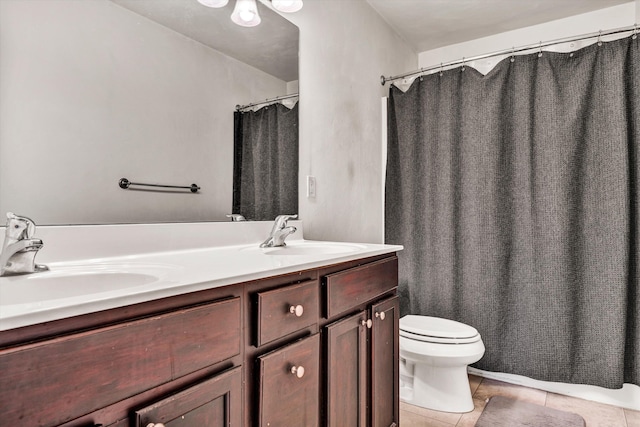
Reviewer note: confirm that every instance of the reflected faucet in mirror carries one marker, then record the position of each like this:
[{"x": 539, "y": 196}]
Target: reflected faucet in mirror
[
  {"x": 20, "y": 248},
  {"x": 279, "y": 232}
]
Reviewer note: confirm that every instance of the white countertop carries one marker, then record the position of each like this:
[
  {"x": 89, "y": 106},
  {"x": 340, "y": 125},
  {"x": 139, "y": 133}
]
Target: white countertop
[{"x": 78, "y": 286}]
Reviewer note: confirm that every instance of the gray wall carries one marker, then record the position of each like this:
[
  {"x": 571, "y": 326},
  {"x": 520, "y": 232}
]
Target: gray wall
[{"x": 344, "y": 48}]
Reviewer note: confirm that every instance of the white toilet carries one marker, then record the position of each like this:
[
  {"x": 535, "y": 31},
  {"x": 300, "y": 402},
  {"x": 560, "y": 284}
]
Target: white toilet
[{"x": 434, "y": 354}]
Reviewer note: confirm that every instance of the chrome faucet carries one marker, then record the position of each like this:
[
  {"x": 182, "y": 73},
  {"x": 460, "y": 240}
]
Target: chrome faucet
[
  {"x": 20, "y": 248},
  {"x": 236, "y": 217},
  {"x": 279, "y": 232}
]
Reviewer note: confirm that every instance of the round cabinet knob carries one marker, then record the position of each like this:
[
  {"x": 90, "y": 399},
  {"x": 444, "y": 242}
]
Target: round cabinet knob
[
  {"x": 368, "y": 323},
  {"x": 380, "y": 315},
  {"x": 298, "y": 371},
  {"x": 297, "y": 310}
]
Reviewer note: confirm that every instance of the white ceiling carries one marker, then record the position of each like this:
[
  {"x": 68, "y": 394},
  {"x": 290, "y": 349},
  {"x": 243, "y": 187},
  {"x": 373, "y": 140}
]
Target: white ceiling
[
  {"x": 424, "y": 24},
  {"x": 271, "y": 47},
  {"x": 429, "y": 24}
]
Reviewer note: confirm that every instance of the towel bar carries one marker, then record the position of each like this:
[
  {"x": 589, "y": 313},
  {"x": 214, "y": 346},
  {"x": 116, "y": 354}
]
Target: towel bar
[{"x": 124, "y": 183}]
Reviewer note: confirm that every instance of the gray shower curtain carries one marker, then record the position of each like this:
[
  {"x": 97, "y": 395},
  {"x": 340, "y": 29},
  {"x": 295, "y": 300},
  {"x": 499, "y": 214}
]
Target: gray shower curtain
[
  {"x": 515, "y": 195},
  {"x": 265, "y": 168}
]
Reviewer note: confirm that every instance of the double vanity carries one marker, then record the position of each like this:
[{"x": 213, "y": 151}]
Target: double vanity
[{"x": 195, "y": 324}]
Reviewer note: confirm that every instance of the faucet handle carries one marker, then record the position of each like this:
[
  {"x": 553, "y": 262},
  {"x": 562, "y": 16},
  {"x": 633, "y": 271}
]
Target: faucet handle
[
  {"x": 20, "y": 227},
  {"x": 282, "y": 219},
  {"x": 281, "y": 222}
]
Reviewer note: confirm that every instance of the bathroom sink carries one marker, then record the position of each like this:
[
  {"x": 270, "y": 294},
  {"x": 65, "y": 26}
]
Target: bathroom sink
[
  {"x": 310, "y": 249},
  {"x": 70, "y": 282}
]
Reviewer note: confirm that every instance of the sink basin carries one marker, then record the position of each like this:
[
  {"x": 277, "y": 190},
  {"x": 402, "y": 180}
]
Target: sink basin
[
  {"x": 69, "y": 282},
  {"x": 310, "y": 249}
]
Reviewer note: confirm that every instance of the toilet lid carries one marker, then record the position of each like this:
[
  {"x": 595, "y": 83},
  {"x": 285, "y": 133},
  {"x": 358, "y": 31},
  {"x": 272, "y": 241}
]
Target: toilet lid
[{"x": 437, "y": 330}]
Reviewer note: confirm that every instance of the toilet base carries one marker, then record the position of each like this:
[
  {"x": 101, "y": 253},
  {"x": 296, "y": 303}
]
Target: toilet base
[{"x": 439, "y": 388}]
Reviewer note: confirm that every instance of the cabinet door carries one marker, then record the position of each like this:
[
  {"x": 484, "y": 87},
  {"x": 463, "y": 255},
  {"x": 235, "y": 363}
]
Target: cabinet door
[
  {"x": 384, "y": 363},
  {"x": 213, "y": 402},
  {"x": 289, "y": 385},
  {"x": 346, "y": 398},
  {"x": 92, "y": 369}
]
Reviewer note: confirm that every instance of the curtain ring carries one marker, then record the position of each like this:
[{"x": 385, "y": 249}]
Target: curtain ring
[
  {"x": 513, "y": 58},
  {"x": 600, "y": 38},
  {"x": 540, "y": 50},
  {"x": 441, "y": 69},
  {"x": 463, "y": 64}
]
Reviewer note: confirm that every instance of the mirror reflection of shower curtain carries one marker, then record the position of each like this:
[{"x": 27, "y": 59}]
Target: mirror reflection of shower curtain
[{"x": 265, "y": 169}]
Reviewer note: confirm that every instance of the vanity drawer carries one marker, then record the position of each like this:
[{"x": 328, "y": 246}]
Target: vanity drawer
[
  {"x": 285, "y": 310},
  {"x": 347, "y": 289},
  {"x": 289, "y": 384},
  {"x": 69, "y": 376}
]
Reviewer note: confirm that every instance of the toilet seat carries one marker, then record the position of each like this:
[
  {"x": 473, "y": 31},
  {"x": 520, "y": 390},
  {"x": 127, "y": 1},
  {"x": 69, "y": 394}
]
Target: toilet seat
[{"x": 437, "y": 330}]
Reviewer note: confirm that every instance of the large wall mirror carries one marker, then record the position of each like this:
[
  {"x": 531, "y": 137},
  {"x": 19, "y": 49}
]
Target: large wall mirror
[{"x": 92, "y": 91}]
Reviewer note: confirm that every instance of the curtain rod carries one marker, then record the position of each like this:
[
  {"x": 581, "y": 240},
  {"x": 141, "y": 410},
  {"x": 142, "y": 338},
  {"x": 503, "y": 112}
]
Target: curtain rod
[
  {"x": 512, "y": 51},
  {"x": 266, "y": 101}
]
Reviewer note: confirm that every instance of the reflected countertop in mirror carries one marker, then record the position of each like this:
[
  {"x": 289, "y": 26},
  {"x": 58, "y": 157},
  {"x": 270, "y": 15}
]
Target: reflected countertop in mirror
[{"x": 96, "y": 90}]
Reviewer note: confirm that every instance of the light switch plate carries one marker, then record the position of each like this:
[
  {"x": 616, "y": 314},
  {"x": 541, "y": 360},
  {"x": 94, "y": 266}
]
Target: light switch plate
[{"x": 311, "y": 187}]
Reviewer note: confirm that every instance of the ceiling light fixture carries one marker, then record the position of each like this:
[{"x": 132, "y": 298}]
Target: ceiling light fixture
[
  {"x": 287, "y": 5},
  {"x": 245, "y": 12}
]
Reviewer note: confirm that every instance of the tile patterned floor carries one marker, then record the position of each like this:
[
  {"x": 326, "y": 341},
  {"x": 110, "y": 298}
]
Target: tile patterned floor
[{"x": 595, "y": 414}]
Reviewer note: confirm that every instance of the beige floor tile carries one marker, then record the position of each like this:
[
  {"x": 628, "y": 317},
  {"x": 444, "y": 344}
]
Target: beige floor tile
[
  {"x": 410, "y": 419},
  {"x": 489, "y": 387},
  {"x": 474, "y": 382},
  {"x": 447, "y": 417},
  {"x": 595, "y": 414},
  {"x": 469, "y": 419},
  {"x": 633, "y": 418}
]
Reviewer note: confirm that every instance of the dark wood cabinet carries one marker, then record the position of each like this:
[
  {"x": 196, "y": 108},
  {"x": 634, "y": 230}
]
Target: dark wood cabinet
[
  {"x": 282, "y": 351},
  {"x": 346, "y": 399},
  {"x": 362, "y": 348},
  {"x": 75, "y": 374},
  {"x": 362, "y": 368},
  {"x": 347, "y": 289},
  {"x": 289, "y": 384},
  {"x": 317, "y": 347},
  {"x": 385, "y": 367},
  {"x": 214, "y": 402},
  {"x": 285, "y": 310}
]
